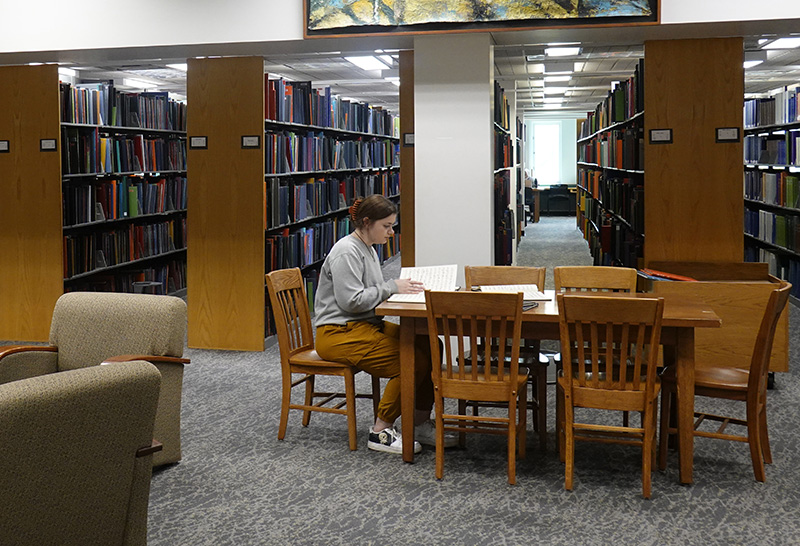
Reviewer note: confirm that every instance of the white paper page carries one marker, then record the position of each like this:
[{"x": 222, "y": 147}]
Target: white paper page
[
  {"x": 530, "y": 293},
  {"x": 435, "y": 277}
]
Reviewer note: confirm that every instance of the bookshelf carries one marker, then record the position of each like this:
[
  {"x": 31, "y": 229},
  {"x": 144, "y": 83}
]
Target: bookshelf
[
  {"x": 30, "y": 202},
  {"x": 610, "y": 177},
  {"x": 123, "y": 165},
  {"x": 505, "y": 226},
  {"x": 772, "y": 183},
  {"x": 281, "y": 202}
]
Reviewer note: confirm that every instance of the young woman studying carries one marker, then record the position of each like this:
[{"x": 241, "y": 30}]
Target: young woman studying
[{"x": 350, "y": 286}]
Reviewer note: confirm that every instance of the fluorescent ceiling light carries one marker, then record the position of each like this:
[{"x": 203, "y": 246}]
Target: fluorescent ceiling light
[
  {"x": 64, "y": 71},
  {"x": 178, "y": 66},
  {"x": 553, "y": 79},
  {"x": 555, "y": 90},
  {"x": 553, "y": 100},
  {"x": 139, "y": 84},
  {"x": 562, "y": 51},
  {"x": 783, "y": 43},
  {"x": 368, "y": 62}
]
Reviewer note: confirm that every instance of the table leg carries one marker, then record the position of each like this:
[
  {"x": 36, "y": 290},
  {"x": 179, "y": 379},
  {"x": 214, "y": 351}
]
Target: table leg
[
  {"x": 407, "y": 386},
  {"x": 685, "y": 379}
]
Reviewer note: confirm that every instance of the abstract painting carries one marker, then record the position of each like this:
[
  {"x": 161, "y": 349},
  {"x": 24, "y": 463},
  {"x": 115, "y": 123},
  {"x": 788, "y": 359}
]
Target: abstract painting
[{"x": 387, "y": 15}]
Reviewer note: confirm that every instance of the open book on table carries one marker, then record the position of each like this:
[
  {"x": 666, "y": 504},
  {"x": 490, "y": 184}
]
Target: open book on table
[
  {"x": 435, "y": 277},
  {"x": 530, "y": 293}
]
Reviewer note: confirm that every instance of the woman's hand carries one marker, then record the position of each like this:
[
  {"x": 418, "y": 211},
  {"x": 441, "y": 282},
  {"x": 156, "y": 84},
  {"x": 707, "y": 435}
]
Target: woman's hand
[{"x": 408, "y": 286}]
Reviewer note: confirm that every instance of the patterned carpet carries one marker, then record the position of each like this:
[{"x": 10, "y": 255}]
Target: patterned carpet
[{"x": 239, "y": 485}]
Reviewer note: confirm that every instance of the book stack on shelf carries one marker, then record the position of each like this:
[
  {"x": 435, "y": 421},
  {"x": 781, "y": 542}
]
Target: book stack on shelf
[
  {"x": 321, "y": 153},
  {"x": 772, "y": 183},
  {"x": 124, "y": 189},
  {"x": 611, "y": 175}
]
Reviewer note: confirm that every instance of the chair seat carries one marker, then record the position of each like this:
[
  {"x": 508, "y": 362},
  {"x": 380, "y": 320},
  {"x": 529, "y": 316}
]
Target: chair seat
[
  {"x": 310, "y": 357},
  {"x": 732, "y": 379}
]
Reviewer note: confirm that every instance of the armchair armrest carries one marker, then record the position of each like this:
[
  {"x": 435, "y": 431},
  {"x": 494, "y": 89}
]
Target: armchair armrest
[
  {"x": 153, "y": 359},
  {"x": 13, "y": 349},
  {"x": 149, "y": 450},
  {"x": 24, "y": 361}
]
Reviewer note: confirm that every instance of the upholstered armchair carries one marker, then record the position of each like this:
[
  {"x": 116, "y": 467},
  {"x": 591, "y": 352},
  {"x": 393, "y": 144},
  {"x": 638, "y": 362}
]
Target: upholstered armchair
[
  {"x": 89, "y": 328},
  {"x": 77, "y": 456}
]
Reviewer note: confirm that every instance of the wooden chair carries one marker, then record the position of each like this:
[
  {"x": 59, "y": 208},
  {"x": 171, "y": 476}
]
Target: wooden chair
[
  {"x": 287, "y": 296},
  {"x": 597, "y": 333},
  {"x": 590, "y": 278},
  {"x": 748, "y": 386},
  {"x": 463, "y": 318},
  {"x": 529, "y": 353},
  {"x": 593, "y": 278}
]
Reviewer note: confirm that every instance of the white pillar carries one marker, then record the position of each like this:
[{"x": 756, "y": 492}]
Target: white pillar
[{"x": 453, "y": 87}]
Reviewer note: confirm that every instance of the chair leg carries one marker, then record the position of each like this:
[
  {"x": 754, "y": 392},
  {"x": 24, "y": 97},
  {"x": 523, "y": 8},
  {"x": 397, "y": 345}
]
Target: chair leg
[
  {"x": 309, "y": 398},
  {"x": 286, "y": 396},
  {"x": 541, "y": 406},
  {"x": 512, "y": 441},
  {"x": 439, "y": 409},
  {"x": 647, "y": 451},
  {"x": 522, "y": 410},
  {"x": 663, "y": 435},
  {"x": 350, "y": 399},
  {"x": 762, "y": 427},
  {"x": 560, "y": 438},
  {"x": 376, "y": 395},
  {"x": 569, "y": 443}
]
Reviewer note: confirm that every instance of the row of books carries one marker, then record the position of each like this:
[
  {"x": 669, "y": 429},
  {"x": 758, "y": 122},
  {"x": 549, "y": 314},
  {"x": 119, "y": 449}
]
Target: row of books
[
  {"x": 621, "y": 103},
  {"x": 304, "y": 246},
  {"x": 502, "y": 110},
  {"x": 288, "y": 151},
  {"x": 782, "y": 107},
  {"x": 503, "y": 150},
  {"x": 625, "y": 198},
  {"x": 103, "y": 104},
  {"x": 613, "y": 243},
  {"x": 167, "y": 278},
  {"x": 299, "y": 102},
  {"x": 127, "y": 197},
  {"x": 504, "y": 224},
  {"x": 780, "y": 265},
  {"x": 775, "y": 188},
  {"x": 87, "y": 152},
  {"x": 294, "y": 201},
  {"x": 619, "y": 149},
  {"x": 778, "y": 229},
  {"x": 86, "y": 252},
  {"x": 775, "y": 149}
]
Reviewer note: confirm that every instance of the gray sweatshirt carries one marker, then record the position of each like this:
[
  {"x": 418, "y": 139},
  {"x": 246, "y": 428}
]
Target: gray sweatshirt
[{"x": 351, "y": 284}]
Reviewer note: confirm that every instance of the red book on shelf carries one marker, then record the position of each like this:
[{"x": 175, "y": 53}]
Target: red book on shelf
[{"x": 665, "y": 275}]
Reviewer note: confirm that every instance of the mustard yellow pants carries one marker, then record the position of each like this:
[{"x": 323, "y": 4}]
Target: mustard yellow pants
[{"x": 375, "y": 349}]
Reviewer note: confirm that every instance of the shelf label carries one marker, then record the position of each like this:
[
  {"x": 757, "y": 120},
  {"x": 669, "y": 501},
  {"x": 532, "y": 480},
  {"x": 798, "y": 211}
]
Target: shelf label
[
  {"x": 660, "y": 136},
  {"x": 5, "y": 146},
  {"x": 250, "y": 142},
  {"x": 198, "y": 143},
  {"x": 408, "y": 139},
  {"x": 47, "y": 145},
  {"x": 727, "y": 134}
]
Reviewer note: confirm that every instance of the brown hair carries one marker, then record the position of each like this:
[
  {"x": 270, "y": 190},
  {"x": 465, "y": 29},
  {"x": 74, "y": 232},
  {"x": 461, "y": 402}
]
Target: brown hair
[{"x": 375, "y": 207}]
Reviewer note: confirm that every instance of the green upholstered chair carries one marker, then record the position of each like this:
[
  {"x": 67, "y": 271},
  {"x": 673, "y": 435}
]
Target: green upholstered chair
[
  {"x": 89, "y": 328},
  {"x": 77, "y": 456}
]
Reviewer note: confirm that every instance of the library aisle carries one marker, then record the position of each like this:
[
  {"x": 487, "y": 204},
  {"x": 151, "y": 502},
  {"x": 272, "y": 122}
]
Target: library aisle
[{"x": 553, "y": 241}]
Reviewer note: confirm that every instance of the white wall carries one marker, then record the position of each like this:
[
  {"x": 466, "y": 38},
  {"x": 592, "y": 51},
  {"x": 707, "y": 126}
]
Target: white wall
[
  {"x": 63, "y": 25},
  {"x": 453, "y": 147},
  {"x": 709, "y": 11}
]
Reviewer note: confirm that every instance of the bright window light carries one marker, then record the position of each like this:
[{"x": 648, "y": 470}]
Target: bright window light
[
  {"x": 751, "y": 64},
  {"x": 179, "y": 66},
  {"x": 783, "y": 43},
  {"x": 562, "y": 51},
  {"x": 64, "y": 71},
  {"x": 368, "y": 62},
  {"x": 139, "y": 84},
  {"x": 547, "y": 153}
]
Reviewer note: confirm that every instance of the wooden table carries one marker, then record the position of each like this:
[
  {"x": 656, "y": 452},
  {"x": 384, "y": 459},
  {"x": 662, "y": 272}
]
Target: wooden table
[{"x": 681, "y": 316}]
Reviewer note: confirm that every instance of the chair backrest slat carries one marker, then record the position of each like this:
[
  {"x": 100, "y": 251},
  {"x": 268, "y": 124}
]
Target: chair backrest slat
[{"x": 289, "y": 303}]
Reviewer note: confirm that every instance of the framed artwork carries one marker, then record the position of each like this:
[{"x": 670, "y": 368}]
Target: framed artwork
[{"x": 353, "y": 17}]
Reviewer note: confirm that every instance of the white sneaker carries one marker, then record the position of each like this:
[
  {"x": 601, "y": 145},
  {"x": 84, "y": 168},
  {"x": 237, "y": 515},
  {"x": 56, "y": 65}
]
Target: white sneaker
[
  {"x": 389, "y": 441},
  {"x": 426, "y": 434}
]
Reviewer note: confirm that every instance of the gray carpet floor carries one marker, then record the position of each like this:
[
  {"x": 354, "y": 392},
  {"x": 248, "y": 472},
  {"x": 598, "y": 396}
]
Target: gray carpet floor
[{"x": 238, "y": 485}]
